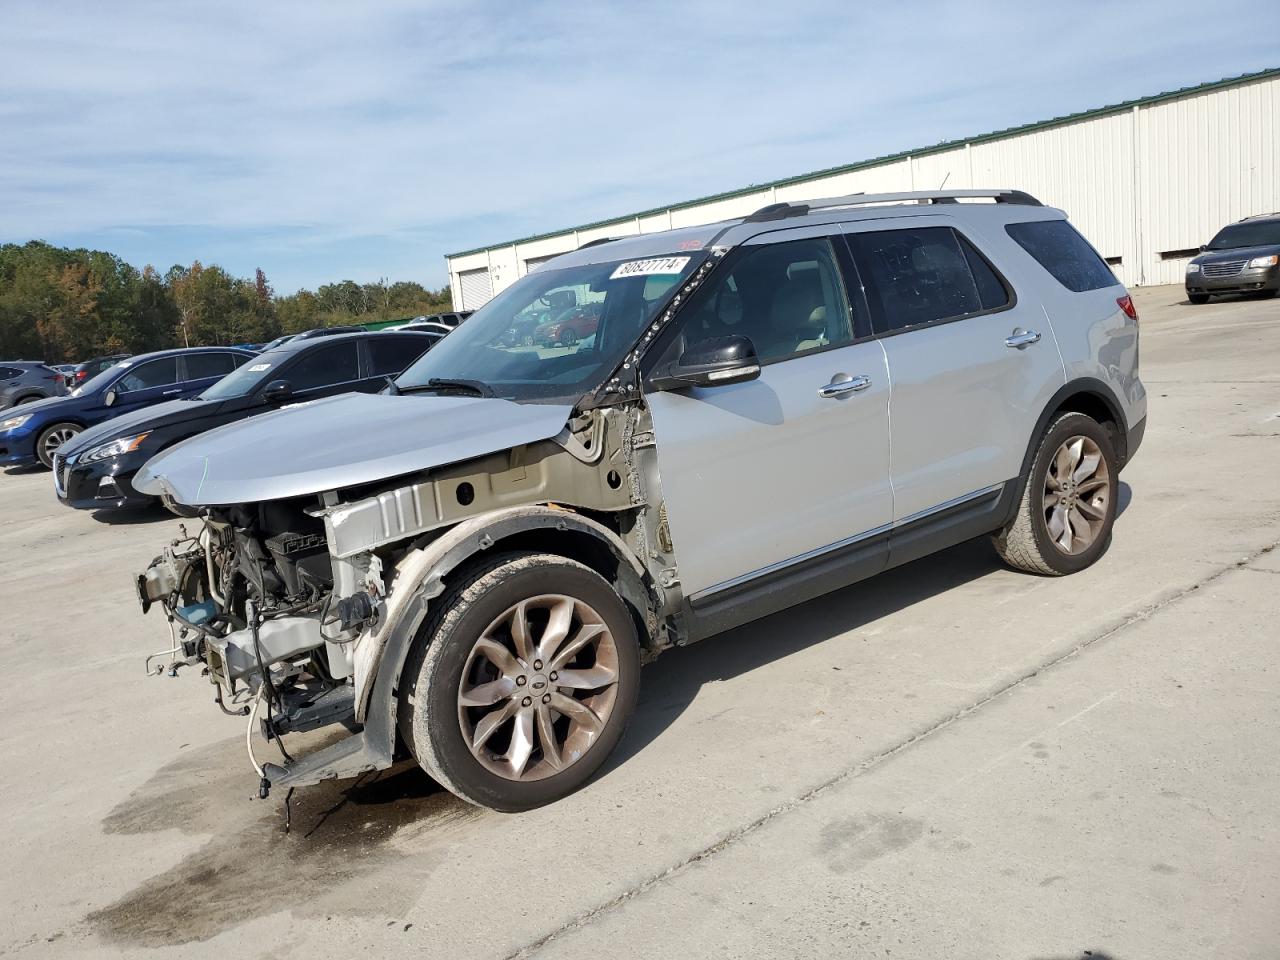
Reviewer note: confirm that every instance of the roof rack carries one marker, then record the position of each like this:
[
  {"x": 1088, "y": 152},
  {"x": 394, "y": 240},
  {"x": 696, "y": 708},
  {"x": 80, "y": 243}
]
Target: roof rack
[
  {"x": 596, "y": 242},
  {"x": 781, "y": 211}
]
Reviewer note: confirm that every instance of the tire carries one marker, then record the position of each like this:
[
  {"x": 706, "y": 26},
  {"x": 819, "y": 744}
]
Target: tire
[
  {"x": 1033, "y": 540},
  {"x": 51, "y": 438},
  {"x": 27, "y": 399},
  {"x": 438, "y": 728},
  {"x": 1198, "y": 298},
  {"x": 568, "y": 338}
]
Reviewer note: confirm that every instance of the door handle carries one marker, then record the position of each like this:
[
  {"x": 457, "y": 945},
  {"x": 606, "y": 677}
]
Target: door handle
[
  {"x": 842, "y": 383},
  {"x": 1022, "y": 339},
  {"x": 170, "y": 393}
]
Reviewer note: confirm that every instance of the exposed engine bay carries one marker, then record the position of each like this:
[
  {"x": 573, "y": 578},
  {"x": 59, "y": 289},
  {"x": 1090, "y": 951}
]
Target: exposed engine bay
[{"x": 257, "y": 599}]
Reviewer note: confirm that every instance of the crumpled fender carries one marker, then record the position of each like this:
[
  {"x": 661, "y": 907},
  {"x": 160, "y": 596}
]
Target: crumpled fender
[{"x": 419, "y": 578}]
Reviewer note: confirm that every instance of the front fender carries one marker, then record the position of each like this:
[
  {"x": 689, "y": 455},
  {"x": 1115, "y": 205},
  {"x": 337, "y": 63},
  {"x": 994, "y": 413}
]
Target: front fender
[{"x": 419, "y": 578}]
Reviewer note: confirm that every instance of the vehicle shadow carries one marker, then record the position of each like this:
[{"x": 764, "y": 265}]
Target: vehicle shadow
[
  {"x": 153, "y": 513},
  {"x": 671, "y": 683},
  {"x": 25, "y": 471}
]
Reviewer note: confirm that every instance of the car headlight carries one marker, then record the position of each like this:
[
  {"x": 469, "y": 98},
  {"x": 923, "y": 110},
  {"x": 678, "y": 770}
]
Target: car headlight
[
  {"x": 13, "y": 423},
  {"x": 1270, "y": 261},
  {"x": 115, "y": 448},
  {"x": 1193, "y": 268}
]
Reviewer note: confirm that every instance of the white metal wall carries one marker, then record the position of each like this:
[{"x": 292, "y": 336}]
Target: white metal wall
[{"x": 1152, "y": 179}]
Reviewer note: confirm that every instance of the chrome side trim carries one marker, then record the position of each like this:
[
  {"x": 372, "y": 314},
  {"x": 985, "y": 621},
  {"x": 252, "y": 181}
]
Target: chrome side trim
[{"x": 846, "y": 542}]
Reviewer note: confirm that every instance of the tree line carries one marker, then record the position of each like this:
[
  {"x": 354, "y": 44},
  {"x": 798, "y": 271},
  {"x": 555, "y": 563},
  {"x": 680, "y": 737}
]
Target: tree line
[{"x": 62, "y": 305}]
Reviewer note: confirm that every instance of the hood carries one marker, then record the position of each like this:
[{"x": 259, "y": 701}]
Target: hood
[
  {"x": 340, "y": 442},
  {"x": 138, "y": 421},
  {"x": 1237, "y": 253}
]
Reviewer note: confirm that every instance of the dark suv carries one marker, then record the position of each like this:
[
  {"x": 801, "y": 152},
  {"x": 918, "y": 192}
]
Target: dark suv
[
  {"x": 1243, "y": 258},
  {"x": 22, "y": 381}
]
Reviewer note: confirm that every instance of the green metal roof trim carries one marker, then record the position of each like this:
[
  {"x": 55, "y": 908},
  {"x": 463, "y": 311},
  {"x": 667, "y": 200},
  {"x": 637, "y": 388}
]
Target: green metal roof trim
[{"x": 902, "y": 155}]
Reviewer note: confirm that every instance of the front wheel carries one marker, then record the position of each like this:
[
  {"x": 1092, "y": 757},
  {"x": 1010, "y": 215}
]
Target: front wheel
[
  {"x": 51, "y": 440},
  {"x": 568, "y": 338},
  {"x": 521, "y": 682},
  {"x": 1068, "y": 505},
  {"x": 1198, "y": 298}
]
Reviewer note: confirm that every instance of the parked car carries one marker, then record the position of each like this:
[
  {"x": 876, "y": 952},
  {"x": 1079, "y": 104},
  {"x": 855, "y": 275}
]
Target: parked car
[
  {"x": 95, "y": 470},
  {"x": 1243, "y": 257},
  {"x": 36, "y": 430},
  {"x": 422, "y": 326},
  {"x": 311, "y": 334},
  {"x": 476, "y": 567},
  {"x": 89, "y": 369},
  {"x": 66, "y": 369},
  {"x": 22, "y": 381},
  {"x": 565, "y": 331}
]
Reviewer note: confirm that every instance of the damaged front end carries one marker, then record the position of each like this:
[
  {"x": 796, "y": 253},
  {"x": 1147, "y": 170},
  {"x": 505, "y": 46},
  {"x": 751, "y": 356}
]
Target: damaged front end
[{"x": 256, "y": 598}]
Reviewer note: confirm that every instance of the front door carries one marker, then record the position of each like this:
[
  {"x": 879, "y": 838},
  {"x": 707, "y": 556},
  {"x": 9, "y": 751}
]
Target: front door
[{"x": 764, "y": 475}]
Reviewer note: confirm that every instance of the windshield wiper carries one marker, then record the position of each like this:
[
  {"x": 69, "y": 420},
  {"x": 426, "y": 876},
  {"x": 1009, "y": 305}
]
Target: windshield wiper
[{"x": 478, "y": 387}]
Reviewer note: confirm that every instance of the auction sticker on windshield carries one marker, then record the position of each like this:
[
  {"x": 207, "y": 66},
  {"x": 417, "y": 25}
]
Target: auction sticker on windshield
[{"x": 646, "y": 268}]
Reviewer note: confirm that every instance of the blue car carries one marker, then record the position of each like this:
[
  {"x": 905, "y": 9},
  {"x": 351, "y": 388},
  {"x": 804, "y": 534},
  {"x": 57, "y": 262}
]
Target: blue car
[{"x": 32, "y": 433}]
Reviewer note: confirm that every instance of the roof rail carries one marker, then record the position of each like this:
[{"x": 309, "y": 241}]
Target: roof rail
[
  {"x": 596, "y": 242},
  {"x": 781, "y": 211}
]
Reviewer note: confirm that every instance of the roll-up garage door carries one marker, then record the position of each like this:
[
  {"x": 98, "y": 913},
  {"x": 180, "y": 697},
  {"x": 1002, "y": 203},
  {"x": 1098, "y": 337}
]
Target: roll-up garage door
[{"x": 476, "y": 289}]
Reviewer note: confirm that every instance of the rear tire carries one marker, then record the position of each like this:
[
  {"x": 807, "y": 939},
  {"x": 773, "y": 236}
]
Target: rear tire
[
  {"x": 51, "y": 439},
  {"x": 1068, "y": 502},
  {"x": 483, "y": 698},
  {"x": 1198, "y": 298}
]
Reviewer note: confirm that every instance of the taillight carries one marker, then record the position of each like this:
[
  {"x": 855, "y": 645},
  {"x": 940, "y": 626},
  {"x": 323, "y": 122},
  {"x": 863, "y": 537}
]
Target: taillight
[
  {"x": 1125, "y": 303},
  {"x": 81, "y": 374}
]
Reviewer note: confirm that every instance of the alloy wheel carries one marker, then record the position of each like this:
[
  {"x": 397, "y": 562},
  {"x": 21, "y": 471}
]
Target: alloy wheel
[
  {"x": 538, "y": 687},
  {"x": 1077, "y": 494},
  {"x": 55, "y": 439}
]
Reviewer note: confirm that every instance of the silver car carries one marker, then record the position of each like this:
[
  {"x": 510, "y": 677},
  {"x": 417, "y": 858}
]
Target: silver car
[{"x": 471, "y": 567}]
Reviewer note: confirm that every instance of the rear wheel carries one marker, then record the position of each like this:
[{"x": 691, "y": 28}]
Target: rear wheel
[
  {"x": 521, "y": 682},
  {"x": 1198, "y": 298},
  {"x": 1068, "y": 505},
  {"x": 568, "y": 338},
  {"x": 52, "y": 438}
]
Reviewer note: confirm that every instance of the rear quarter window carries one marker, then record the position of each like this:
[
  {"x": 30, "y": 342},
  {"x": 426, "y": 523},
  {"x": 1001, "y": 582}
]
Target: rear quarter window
[{"x": 1058, "y": 248}]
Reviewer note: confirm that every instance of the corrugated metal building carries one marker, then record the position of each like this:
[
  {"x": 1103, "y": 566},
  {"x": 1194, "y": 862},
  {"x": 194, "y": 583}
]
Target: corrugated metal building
[{"x": 1146, "y": 181}]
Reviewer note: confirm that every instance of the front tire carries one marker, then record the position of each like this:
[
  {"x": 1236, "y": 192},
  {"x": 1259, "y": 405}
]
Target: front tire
[
  {"x": 1068, "y": 503},
  {"x": 521, "y": 682},
  {"x": 51, "y": 439},
  {"x": 1198, "y": 298}
]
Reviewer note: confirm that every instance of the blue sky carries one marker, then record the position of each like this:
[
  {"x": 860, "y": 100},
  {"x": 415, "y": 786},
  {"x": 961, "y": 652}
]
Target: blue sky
[{"x": 327, "y": 141}]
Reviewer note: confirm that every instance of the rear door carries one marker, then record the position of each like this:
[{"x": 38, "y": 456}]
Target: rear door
[
  {"x": 972, "y": 367},
  {"x": 770, "y": 476},
  {"x": 387, "y": 355},
  {"x": 203, "y": 370},
  {"x": 144, "y": 383}
]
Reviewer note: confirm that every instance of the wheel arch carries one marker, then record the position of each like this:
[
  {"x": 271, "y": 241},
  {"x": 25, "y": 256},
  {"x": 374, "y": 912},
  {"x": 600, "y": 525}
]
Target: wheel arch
[
  {"x": 1094, "y": 399},
  {"x": 426, "y": 571}
]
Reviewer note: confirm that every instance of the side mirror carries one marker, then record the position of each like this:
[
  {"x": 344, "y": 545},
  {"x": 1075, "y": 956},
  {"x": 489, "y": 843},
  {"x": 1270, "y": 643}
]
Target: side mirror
[
  {"x": 1204, "y": 247},
  {"x": 277, "y": 391},
  {"x": 711, "y": 363},
  {"x": 111, "y": 397}
]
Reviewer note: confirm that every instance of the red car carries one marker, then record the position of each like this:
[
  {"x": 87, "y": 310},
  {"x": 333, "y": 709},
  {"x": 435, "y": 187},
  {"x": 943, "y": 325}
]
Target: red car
[{"x": 577, "y": 324}]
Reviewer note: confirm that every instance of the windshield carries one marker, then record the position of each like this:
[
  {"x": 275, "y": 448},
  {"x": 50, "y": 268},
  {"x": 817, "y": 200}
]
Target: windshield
[
  {"x": 1261, "y": 234},
  {"x": 554, "y": 334},
  {"x": 94, "y": 384},
  {"x": 244, "y": 380}
]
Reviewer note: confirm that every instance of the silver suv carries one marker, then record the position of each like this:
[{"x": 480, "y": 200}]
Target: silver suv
[{"x": 472, "y": 566}]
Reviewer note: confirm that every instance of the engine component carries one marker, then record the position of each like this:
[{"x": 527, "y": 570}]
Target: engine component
[{"x": 233, "y": 657}]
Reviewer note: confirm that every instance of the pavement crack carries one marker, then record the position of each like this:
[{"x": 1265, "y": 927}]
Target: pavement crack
[{"x": 1141, "y": 615}]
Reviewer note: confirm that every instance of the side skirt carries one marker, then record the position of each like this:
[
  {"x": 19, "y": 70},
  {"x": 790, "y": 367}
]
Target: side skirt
[{"x": 734, "y": 604}]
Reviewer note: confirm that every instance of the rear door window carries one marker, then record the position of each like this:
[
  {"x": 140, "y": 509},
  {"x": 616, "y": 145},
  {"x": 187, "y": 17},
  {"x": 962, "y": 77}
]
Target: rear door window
[
  {"x": 1058, "y": 248},
  {"x": 389, "y": 354},
  {"x": 152, "y": 373},
  {"x": 334, "y": 363},
  {"x": 918, "y": 277},
  {"x": 202, "y": 366},
  {"x": 9, "y": 373}
]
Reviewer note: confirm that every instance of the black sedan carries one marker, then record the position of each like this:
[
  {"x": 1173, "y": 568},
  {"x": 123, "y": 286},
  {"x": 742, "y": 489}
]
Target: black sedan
[{"x": 95, "y": 471}]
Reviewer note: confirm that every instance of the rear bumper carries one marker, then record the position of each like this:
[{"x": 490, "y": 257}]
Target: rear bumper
[{"x": 1133, "y": 440}]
